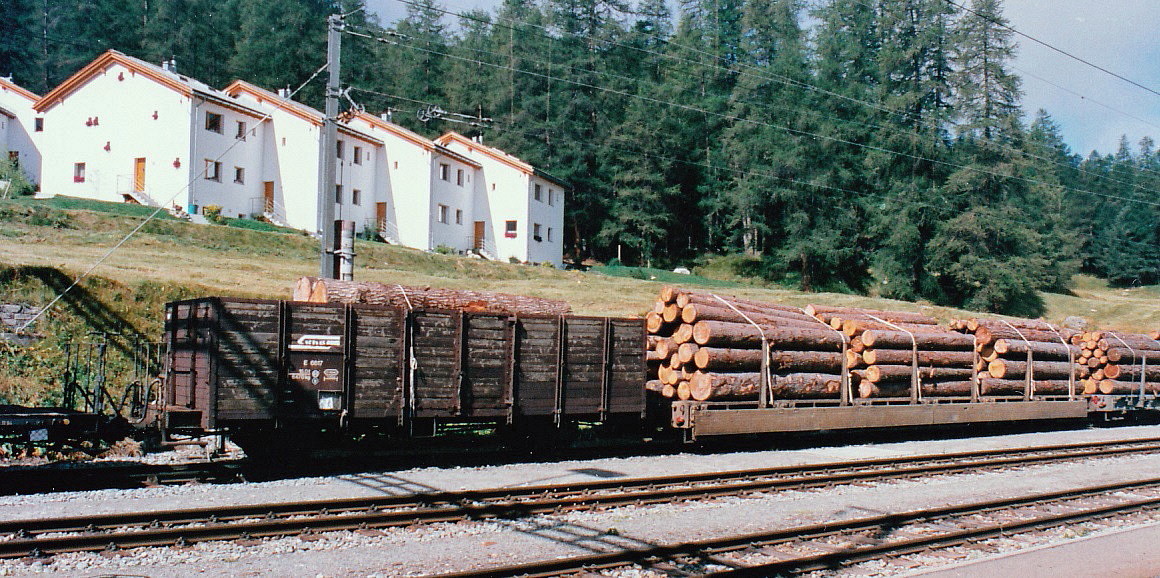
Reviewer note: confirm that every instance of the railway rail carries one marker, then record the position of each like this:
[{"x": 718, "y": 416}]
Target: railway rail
[
  {"x": 38, "y": 537},
  {"x": 40, "y": 479},
  {"x": 802, "y": 549}
]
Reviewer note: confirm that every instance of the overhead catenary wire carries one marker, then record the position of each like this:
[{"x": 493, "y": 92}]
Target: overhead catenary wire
[
  {"x": 509, "y": 128},
  {"x": 161, "y": 207},
  {"x": 745, "y": 69},
  {"x": 1056, "y": 49},
  {"x": 790, "y": 130}
]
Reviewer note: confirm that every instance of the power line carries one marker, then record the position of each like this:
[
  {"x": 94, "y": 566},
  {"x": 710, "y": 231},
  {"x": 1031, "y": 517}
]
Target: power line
[
  {"x": 896, "y": 199},
  {"x": 765, "y": 75},
  {"x": 1054, "y": 48},
  {"x": 793, "y": 131}
]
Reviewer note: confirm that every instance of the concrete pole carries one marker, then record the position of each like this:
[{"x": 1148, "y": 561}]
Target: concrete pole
[{"x": 329, "y": 146}]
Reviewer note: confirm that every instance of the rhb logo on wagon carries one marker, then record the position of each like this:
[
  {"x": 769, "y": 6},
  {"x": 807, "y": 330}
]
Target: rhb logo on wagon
[{"x": 317, "y": 343}]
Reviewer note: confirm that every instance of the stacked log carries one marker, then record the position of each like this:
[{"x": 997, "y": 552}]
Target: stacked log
[
  {"x": 1016, "y": 352},
  {"x": 892, "y": 352},
  {"x": 1120, "y": 363},
  {"x": 710, "y": 348},
  {"x": 319, "y": 290}
]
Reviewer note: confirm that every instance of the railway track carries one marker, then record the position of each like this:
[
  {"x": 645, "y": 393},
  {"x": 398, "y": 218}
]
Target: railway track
[
  {"x": 40, "y": 479},
  {"x": 47, "y": 536},
  {"x": 797, "y": 550}
]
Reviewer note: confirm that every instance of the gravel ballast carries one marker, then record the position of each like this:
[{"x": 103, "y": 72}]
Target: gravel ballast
[{"x": 448, "y": 547}]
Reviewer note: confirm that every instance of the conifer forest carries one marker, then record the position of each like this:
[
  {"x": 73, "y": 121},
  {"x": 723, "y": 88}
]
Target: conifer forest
[{"x": 871, "y": 146}]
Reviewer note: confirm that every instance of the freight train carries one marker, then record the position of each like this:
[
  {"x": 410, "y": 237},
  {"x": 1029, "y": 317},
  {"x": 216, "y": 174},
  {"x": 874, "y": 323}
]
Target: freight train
[{"x": 267, "y": 371}]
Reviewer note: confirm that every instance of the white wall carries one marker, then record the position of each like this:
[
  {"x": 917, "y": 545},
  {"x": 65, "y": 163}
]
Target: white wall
[
  {"x": 550, "y": 247},
  {"x": 362, "y": 175},
  {"x": 123, "y": 105},
  {"x": 457, "y": 197},
  {"x": 19, "y": 134},
  {"x": 404, "y": 184},
  {"x": 236, "y": 199}
]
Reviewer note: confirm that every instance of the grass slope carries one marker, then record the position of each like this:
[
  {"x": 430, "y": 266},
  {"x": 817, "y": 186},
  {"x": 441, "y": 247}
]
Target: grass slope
[{"x": 44, "y": 245}]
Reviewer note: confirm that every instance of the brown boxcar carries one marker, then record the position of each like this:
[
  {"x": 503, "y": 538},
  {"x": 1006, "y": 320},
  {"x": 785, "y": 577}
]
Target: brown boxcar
[{"x": 245, "y": 363}]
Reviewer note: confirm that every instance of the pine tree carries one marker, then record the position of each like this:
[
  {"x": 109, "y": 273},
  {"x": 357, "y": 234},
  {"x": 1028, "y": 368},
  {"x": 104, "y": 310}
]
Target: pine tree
[
  {"x": 198, "y": 35},
  {"x": 21, "y": 42}
]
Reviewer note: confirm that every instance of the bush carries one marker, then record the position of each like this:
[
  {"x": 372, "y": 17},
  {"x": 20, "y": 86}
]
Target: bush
[
  {"x": 213, "y": 213},
  {"x": 445, "y": 250},
  {"x": 18, "y": 184}
]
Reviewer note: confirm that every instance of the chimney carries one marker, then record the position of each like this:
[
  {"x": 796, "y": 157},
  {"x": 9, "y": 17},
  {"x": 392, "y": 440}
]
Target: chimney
[
  {"x": 169, "y": 65},
  {"x": 284, "y": 92},
  {"x": 386, "y": 115},
  {"x": 478, "y": 138}
]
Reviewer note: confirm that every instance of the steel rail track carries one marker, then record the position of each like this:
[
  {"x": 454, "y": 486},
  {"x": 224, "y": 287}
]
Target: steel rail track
[
  {"x": 160, "y": 528},
  {"x": 877, "y": 545},
  {"x": 25, "y": 480}
]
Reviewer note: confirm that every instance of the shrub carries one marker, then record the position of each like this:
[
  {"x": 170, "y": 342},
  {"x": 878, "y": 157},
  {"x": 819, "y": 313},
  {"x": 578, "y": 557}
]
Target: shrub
[
  {"x": 18, "y": 184},
  {"x": 213, "y": 213}
]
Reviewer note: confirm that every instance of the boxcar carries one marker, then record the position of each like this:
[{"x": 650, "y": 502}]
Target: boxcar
[{"x": 238, "y": 365}]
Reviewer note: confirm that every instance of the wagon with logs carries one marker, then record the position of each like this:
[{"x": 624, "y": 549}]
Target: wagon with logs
[{"x": 359, "y": 356}]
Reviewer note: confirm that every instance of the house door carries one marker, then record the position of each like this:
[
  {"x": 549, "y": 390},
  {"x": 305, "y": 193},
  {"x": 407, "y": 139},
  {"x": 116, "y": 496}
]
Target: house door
[
  {"x": 381, "y": 216},
  {"x": 139, "y": 175},
  {"x": 479, "y": 235},
  {"x": 268, "y": 196}
]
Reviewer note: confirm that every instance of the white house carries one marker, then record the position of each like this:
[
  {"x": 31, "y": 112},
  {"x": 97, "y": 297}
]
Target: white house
[
  {"x": 426, "y": 197},
  {"x": 18, "y": 128},
  {"x": 291, "y": 167},
  {"x": 122, "y": 129},
  {"x": 518, "y": 210}
]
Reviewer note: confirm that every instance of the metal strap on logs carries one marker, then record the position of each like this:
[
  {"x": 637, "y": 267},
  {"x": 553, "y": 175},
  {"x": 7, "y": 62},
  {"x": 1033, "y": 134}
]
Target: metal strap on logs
[
  {"x": 915, "y": 377},
  {"x": 766, "y": 391},
  {"x": 1143, "y": 367},
  {"x": 845, "y": 394},
  {"x": 1029, "y": 375},
  {"x": 1070, "y": 362}
]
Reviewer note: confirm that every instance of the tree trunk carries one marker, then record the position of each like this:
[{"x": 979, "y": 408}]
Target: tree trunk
[
  {"x": 994, "y": 386},
  {"x": 925, "y": 358},
  {"x": 806, "y": 361},
  {"x": 988, "y": 334},
  {"x": 948, "y": 388},
  {"x": 743, "y": 335},
  {"x": 318, "y": 290},
  {"x": 1132, "y": 372},
  {"x": 1009, "y": 369},
  {"x": 1040, "y": 350},
  {"x": 942, "y": 340},
  {"x": 828, "y": 311},
  {"x": 880, "y": 373},
  {"x": 695, "y": 312},
  {"x": 721, "y": 359}
]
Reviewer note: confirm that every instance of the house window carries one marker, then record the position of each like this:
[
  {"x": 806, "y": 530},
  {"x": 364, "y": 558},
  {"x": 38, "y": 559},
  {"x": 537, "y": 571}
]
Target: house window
[
  {"x": 339, "y": 152},
  {"x": 355, "y": 197},
  {"x": 445, "y": 172},
  {"x": 442, "y": 216},
  {"x": 536, "y": 232},
  {"x": 493, "y": 186},
  {"x": 241, "y": 131},
  {"x": 537, "y": 193},
  {"x": 79, "y": 173},
  {"x": 39, "y": 124},
  {"x": 239, "y": 175},
  {"x": 509, "y": 229},
  {"x": 338, "y": 194},
  {"x": 357, "y": 157},
  {"x": 459, "y": 177},
  {"x": 396, "y": 164},
  {"x": 213, "y": 122},
  {"x": 213, "y": 171},
  {"x": 458, "y": 216},
  {"x": 549, "y": 234},
  {"x": 14, "y": 156},
  {"x": 551, "y": 199}
]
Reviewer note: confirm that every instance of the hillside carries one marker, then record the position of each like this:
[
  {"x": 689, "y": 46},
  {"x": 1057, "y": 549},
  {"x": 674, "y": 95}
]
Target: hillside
[{"x": 44, "y": 245}]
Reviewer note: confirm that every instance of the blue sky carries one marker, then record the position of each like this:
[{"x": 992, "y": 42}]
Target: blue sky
[{"x": 1093, "y": 108}]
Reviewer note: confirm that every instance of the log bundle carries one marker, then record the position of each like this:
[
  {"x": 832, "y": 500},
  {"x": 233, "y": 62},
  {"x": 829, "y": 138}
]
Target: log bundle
[
  {"x": 1119, "y": 363},
  {"x": 703, "y": 347},
  {"x": 902, "y": 354},
  {"x": 1015, "y": 354},
  {"x": 320, "y": 290}
]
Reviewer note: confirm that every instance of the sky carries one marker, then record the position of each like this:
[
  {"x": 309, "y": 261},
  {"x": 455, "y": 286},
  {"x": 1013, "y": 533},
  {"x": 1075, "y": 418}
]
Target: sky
[{"x": 1093, "y": 108}]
